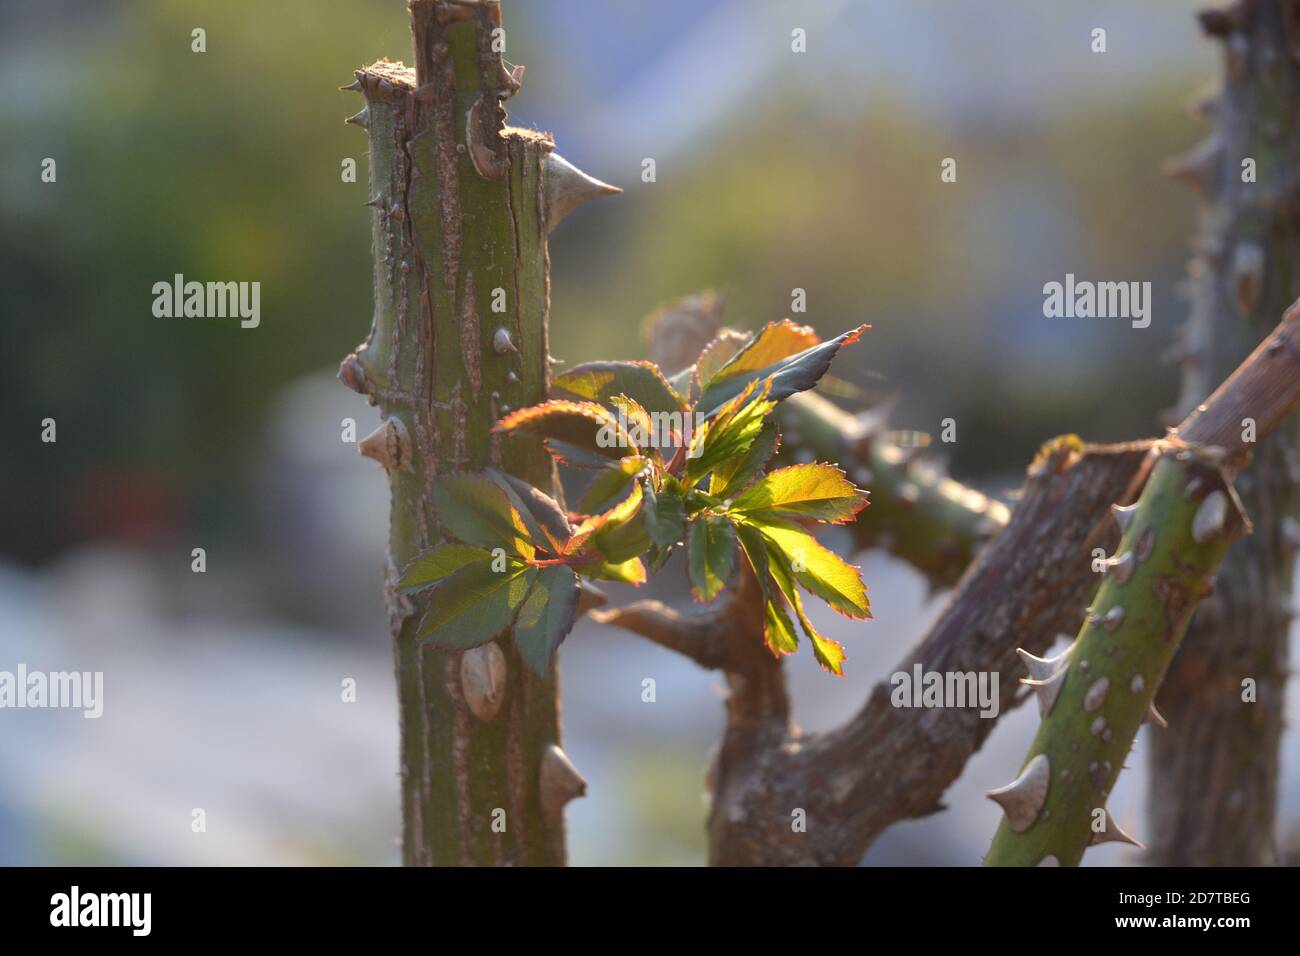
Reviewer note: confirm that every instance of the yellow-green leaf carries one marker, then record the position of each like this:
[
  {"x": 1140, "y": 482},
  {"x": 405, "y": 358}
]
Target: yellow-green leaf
[
  {"x": 601, "y": 381},
  {"x": 718, "y": 352},
  {"x": 778, "y": 632},
  {"x": 732, "y": 474},
  {"x": 829, "y": 653},
  {"x": 611, "y": 484},
  {"x": 775, "y": 341},
  {"x": 631, "y": 571},
  {"x": 734, "y": 429},
  {"x": 812, "y": 490},
  {"x": 820, "y": 570},
  {"x": 778, "y": 629}
]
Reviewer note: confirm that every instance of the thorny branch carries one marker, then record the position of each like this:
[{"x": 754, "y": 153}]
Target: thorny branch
[{"x": 888, "y": 764}]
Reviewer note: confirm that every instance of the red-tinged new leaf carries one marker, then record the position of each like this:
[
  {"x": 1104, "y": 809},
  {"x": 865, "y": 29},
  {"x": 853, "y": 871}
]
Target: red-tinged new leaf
[
  {"x": 478, "y": 512},
  {"x": 812, "y": 490},
  {"x": 618, "y": 534},
  {"x": 642, "y": 431},
  {"x": 711, "y": 555},
  {"x": 584, "y": 425},
  {"x": 473, "y": 605},
  {"x": 615, "y": 516},
  {"x": 546, "y": 617}
]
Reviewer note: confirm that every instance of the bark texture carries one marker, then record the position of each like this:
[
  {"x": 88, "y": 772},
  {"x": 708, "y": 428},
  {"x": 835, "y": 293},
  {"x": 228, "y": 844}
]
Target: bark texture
[
  {"x": 1214, "y": 779},
  {"x": 1094, "y": 696},
  {"x": 458, "y": 335}
]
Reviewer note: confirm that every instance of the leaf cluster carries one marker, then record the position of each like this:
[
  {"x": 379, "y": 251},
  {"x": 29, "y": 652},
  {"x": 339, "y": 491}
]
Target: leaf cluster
[{"x": 677, "y": 463}]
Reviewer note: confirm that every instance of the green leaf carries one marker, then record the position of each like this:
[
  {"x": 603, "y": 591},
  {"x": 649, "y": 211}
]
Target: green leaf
[
  {"x": 829, "y": 654},
  {"x": 476, "y": 511},
  {"x": 611, "y": 484},
  {"x": 820, "y": 570},
  {"x": 795, "y": 373},
  {"x": 736, "y": 427},
  {"x": 732, "y": 474},
  {"x": 778, "y": 631},
  {"x": 584, "y": 425},
  {"x": 665, "y": 516},
  {"x": 659, "y": 557},
  {"x": 631, "y": 571},
  {"x": 811, "y": 490},
  {"x": 621, "y": 512},
  {"x": 625, "y": 540},
  {"x": 568, "y": 454},
  {"x": 542, "y": 514},
  {"x": 474, "y": 604},
  {"x": 433, "y": 565},
  {"x": 601, "y": 381},
  {"x": 546, "y": 617},
  {"x": 642, "y": 431},
  {"x": 711, "y": 553},
  {"x": 619, "y": 533}
]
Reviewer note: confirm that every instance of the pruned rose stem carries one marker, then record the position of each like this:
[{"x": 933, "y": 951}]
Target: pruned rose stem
[{"x": 462, "y": 205}]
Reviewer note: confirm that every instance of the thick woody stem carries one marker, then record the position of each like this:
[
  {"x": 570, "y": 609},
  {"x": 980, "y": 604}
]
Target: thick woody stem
[
  {"x": 462, "y": 206},
  {"x": 1095, "y": 696}
]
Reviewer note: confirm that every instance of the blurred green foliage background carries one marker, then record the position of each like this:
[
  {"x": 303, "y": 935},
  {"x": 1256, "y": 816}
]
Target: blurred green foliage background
[{"x": 775, "y": 171}]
